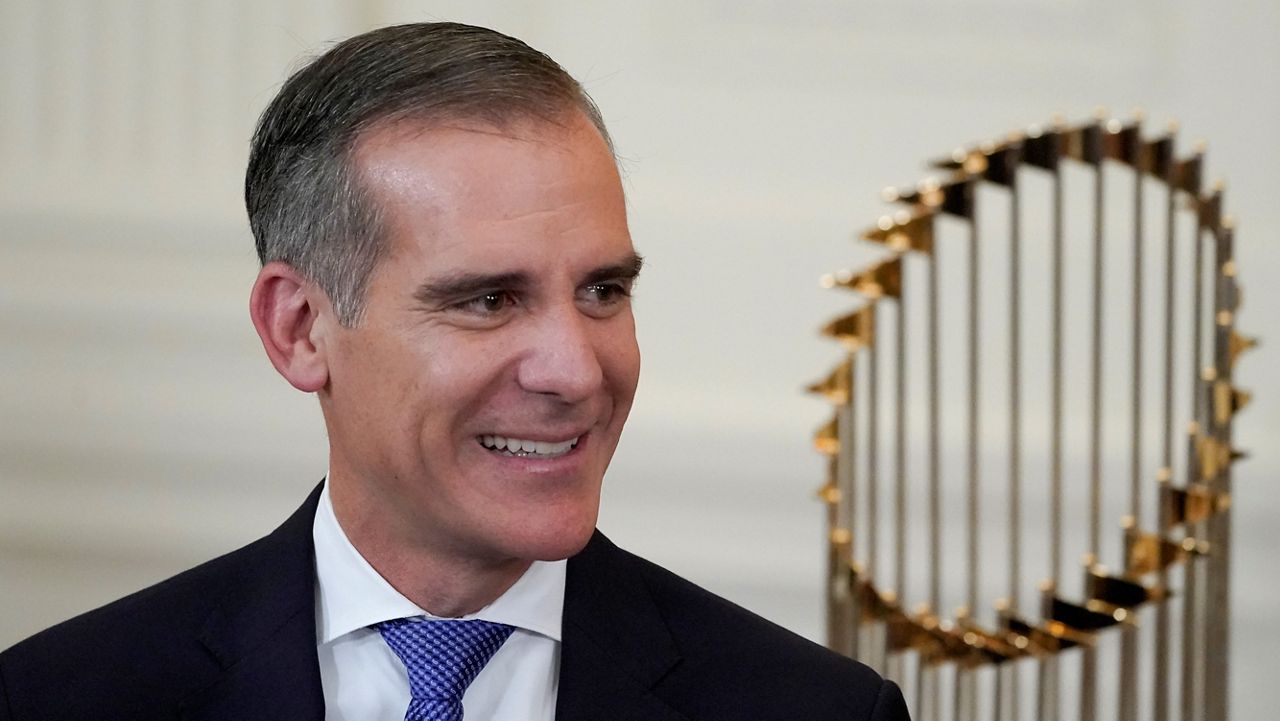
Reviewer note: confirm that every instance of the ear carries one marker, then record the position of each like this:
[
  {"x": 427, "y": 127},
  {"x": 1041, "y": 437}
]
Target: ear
[{"x": 286, "y": 311}]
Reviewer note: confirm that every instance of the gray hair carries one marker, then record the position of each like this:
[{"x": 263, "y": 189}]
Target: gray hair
[{"x": 306, "y": 205}]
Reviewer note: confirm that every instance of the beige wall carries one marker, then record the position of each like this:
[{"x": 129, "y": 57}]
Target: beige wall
[{"x": 141, "y": 431}]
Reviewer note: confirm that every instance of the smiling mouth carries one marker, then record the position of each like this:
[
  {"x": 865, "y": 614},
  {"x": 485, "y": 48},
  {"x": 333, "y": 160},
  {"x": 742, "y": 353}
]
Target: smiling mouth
[{"x": 522, "y": 448}]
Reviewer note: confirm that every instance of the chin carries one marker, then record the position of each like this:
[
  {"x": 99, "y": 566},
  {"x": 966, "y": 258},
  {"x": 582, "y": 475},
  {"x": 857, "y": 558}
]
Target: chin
[
  {"x": 566, "y": 547},
  {"x": 555, "y": 541}
]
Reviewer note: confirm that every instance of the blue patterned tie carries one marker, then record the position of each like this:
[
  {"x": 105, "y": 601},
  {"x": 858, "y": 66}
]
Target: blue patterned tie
[{"x": 442, "y": 658}]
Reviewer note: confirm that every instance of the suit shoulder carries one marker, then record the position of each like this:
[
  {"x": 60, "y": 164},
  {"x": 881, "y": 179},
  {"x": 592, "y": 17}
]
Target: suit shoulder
[
  {"x": 175, "y": 600},
  {"x": 755, "y": 662},
  {"x": 281, "y": 560},
  {"x": 132, "y": 656}
]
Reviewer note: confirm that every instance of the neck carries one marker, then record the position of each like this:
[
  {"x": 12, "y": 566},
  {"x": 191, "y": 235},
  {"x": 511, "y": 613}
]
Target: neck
[{"x": 442, "y": 583}]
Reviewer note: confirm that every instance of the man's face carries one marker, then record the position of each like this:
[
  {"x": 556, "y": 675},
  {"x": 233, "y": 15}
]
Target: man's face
[{"x": 473, "y": 410}]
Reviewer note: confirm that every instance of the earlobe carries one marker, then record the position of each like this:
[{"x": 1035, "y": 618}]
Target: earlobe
[{"x": 286, "y": 310}]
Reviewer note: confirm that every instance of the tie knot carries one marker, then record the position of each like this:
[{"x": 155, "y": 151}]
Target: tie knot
[{"x": 442, "y": 657}]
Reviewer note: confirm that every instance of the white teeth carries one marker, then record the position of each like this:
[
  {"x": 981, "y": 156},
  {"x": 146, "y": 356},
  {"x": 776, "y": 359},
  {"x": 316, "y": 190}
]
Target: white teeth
[{"x": 522, "y": 447}]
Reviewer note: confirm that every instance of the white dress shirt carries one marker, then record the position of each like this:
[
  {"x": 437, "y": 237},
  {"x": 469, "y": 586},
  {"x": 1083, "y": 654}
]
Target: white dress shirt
[{"x": 364, "y": 680}]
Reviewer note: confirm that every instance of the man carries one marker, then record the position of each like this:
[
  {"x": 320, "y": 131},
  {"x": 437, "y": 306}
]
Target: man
[{"x": 447, "y": 266}]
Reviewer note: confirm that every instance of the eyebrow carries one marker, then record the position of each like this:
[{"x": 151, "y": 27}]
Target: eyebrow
[
  {"x": 628, "y": 269},
  {"x": 464, "y": 285}
]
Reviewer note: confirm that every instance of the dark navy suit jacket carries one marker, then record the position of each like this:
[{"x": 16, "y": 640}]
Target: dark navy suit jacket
[{"x": 235, "y": 640}]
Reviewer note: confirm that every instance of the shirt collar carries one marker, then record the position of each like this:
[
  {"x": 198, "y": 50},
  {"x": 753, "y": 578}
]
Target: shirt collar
[{"x": 351, "y": 595}]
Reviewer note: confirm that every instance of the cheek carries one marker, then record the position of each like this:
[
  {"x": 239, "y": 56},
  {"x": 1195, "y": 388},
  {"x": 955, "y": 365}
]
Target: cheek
[
  {"x": 386, "y": 384},
  {"x": 460, "y": 381}
]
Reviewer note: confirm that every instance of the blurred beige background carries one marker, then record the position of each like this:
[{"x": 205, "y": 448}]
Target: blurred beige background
[{"x": 142, "y": 431}]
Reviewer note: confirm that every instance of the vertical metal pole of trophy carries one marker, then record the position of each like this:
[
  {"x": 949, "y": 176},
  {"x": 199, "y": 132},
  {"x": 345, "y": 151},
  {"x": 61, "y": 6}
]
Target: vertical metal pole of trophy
[
  {"x": 1160, "y": 673},
  {"x": 1047, "y": 707},
  {"x": 1088, "y": 655},
  {"x": 1129, "y": 638},
  {"x": 1189, "y": 655},
  {"x": 842, "y": 593},
  {"x": 828, "y": 442},
  {"x": 965, "y": 678},
  {"x": 1222, "y": 408},
  {"x": 1191, "y": 675},
  {"x": 896, "y": 670},
  {"x": 875, "y": 631},
  {"x": 849, "y": 446},
  {"x": 929, "y": 675},
  {"x": 1010, "y": 669}
]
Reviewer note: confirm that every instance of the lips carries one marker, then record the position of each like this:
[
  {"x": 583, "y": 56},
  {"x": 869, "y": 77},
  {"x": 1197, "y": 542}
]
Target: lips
[{"x": 527, "y": 448}]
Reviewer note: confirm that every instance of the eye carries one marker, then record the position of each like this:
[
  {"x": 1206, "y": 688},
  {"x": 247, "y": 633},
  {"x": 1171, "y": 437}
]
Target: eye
[
  {"x": 605, "y": 299},
  {"x": 607, "y": 292},
  {"x": 487, "y": 304}
]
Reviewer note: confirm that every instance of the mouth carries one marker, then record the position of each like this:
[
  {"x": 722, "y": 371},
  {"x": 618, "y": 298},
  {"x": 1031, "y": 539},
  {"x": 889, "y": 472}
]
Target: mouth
[{"x": 525, "y": 448}]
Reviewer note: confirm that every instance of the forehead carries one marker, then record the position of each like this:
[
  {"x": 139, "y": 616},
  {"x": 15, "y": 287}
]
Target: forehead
[
  {"x": 457, "y": 195},
  {"x": 452, "y": 152}
]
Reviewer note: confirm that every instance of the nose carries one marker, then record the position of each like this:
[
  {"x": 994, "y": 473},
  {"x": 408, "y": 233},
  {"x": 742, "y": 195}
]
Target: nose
[{"x": 562, "y": 357}]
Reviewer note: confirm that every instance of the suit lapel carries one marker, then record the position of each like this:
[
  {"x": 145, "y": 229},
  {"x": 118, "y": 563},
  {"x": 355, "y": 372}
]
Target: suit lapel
[
  {"x": 615, "y": 645},
  {"x": 263, "y": 633}
]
